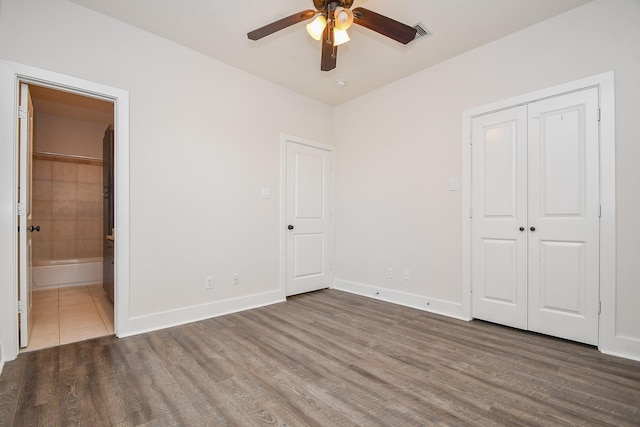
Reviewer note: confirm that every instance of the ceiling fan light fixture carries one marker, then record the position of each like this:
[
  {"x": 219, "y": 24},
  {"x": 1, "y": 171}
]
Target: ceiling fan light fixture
[
  {"x": 316, "y": 27},
  {"x": 340, "y": 37},
  {"x": 343, "y": 18},
  {"x": 330, "y": 20}
]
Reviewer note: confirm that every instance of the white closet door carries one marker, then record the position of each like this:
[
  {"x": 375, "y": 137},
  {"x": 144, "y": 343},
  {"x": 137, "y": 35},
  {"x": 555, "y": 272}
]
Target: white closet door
[
  {"x": 535, "y": 226},
  {"x": 499, "y": 220},
  {"x": 563, "y": 211}
]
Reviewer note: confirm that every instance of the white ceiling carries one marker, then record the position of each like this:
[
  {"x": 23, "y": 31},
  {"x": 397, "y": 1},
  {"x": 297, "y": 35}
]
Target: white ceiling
[
  {"x": 70, "y": 105},
  {"x": 291, "y": 58}
]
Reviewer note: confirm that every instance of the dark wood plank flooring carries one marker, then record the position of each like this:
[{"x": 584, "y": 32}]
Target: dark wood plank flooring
[{"x": 326, "y": 358}]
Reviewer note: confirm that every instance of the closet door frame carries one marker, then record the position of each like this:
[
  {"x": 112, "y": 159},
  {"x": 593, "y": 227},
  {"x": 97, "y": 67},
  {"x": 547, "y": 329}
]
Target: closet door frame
[{"x": 609, "y": 342}]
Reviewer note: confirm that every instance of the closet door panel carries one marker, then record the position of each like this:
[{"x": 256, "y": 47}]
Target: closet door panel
[
  {"x": 563, "y": 212},
  {"x": 499, "y": 257}
]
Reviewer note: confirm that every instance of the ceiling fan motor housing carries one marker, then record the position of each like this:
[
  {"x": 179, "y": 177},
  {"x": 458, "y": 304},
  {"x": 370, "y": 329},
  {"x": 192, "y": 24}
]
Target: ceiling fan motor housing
[{"x": 321, "y": 5}]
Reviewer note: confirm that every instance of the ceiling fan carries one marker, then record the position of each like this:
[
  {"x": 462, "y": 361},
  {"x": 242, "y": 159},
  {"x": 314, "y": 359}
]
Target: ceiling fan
[{"x": 332, "y": 18}]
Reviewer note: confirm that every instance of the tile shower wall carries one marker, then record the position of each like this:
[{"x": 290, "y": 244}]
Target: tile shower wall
[{"x": 67, "y": 204}]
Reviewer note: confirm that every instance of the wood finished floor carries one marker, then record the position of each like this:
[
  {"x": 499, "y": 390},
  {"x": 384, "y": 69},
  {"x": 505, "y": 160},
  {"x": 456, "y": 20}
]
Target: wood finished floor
[{"x": 326, "y": 358}]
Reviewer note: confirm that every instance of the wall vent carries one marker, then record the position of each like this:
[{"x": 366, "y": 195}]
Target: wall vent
[{"x": 421, "y": 31}]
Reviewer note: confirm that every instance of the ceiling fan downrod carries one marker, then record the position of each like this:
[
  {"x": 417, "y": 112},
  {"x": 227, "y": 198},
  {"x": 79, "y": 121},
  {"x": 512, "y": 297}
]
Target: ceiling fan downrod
[{"x": 331, "y": 8}]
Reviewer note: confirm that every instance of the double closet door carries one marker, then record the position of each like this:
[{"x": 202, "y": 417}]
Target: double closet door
[{"x": 535, "y": 216}]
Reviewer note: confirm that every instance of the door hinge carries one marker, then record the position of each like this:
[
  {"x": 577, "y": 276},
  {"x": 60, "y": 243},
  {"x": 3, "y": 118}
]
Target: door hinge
[
  {"x": 599, "y": 114},
  {"x": 600, "y": 211},
  {"x": 471, "y": 213},
  {"x": 21, "y": 209},
  {"x": 599, "y": 307},
  {"x": 22, "y": 112},
  {"x": 20, "y": 307}
]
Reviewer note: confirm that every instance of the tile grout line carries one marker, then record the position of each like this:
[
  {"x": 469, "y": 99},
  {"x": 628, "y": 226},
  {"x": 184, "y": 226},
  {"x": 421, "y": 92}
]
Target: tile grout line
[
  {"x": 58, "y": 304},
  {"x": 93, "y": 298}
]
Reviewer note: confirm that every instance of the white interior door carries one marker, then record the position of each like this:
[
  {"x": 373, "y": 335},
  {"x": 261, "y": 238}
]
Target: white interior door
[
  {"x": 535, "y": 225},
  {"x": 308, "y": 204},
  {"x": 25, "y": 142},
  {"x": 499, "y": 239},
  {"x": 564, "y": 210}
]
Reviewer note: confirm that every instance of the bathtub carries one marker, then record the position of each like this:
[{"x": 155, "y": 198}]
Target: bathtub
[{"x": 68, "y": 272}]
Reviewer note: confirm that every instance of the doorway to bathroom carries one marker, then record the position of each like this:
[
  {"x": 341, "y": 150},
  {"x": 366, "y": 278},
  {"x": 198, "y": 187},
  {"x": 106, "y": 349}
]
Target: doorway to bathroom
[{"x": 67, "y": 195}]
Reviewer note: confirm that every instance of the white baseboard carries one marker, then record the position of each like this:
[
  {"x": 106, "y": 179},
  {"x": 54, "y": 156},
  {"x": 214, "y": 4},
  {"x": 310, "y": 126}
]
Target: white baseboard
[
  {"x": 619, "y": 346},
  {"x": 628, "y": 348},
  {"x": 156, "y": 321},
  {"x": 432, "y": 305}
]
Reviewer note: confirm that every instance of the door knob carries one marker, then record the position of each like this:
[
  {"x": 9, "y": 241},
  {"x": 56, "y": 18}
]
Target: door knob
[
  {"x": 36, "y": 228},
  {"x": 521, "y": 228},
  {"x": 290, "y": 227},
  {"x": 532, "y": 229}
]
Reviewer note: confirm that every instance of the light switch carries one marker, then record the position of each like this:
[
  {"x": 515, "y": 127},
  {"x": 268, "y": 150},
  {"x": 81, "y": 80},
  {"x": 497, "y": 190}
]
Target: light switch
[
  {"x": 453, "y": 184},
  {"x": 265, "y": 192}
]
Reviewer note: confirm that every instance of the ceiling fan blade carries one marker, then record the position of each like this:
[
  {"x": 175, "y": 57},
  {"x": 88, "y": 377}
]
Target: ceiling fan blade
[
  {"x": 280, "y": 24},
  {"x": 386, "y": 26},
  {"x": 329, "y": 52}
]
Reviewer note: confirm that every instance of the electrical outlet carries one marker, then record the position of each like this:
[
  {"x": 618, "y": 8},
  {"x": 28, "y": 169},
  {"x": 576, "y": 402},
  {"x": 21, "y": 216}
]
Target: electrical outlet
[
  {"x": 406, "y": 275},
  {"x": 208, "y": 282},
  {"x": 389, "y": 273},
  {"x": 236, "y": 279}
]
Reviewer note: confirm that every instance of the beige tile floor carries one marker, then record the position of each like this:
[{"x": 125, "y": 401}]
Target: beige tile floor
[{"x": 65, "y": 315}]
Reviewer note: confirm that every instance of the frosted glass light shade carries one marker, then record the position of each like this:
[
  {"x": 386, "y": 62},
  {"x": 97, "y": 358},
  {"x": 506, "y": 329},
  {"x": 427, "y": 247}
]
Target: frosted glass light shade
[
  {"x": 340, "y": 37},
  {"x": 343, "y": 18},
  {"x": 316, "y": 27}
]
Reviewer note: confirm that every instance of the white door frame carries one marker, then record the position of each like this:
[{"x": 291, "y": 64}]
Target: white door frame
[
  {"x": 609, "y": 342},
  {"x": 25, "y": 194},
  {"x": 284, "y": 139},
  {"x": 11, "y": 74}
]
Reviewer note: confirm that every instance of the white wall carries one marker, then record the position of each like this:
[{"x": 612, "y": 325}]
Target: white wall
[
  {"x": 402, "y": 143},
  {"x": 63, "y": 135},
  {"x": 204, "y": 138}
]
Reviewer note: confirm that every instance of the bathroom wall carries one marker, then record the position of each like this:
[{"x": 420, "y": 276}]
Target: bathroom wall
[
  {"x": 60, "y": 129},
  {"x": 67, "y": 187},
  {"x": 67, "y": 205}
]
